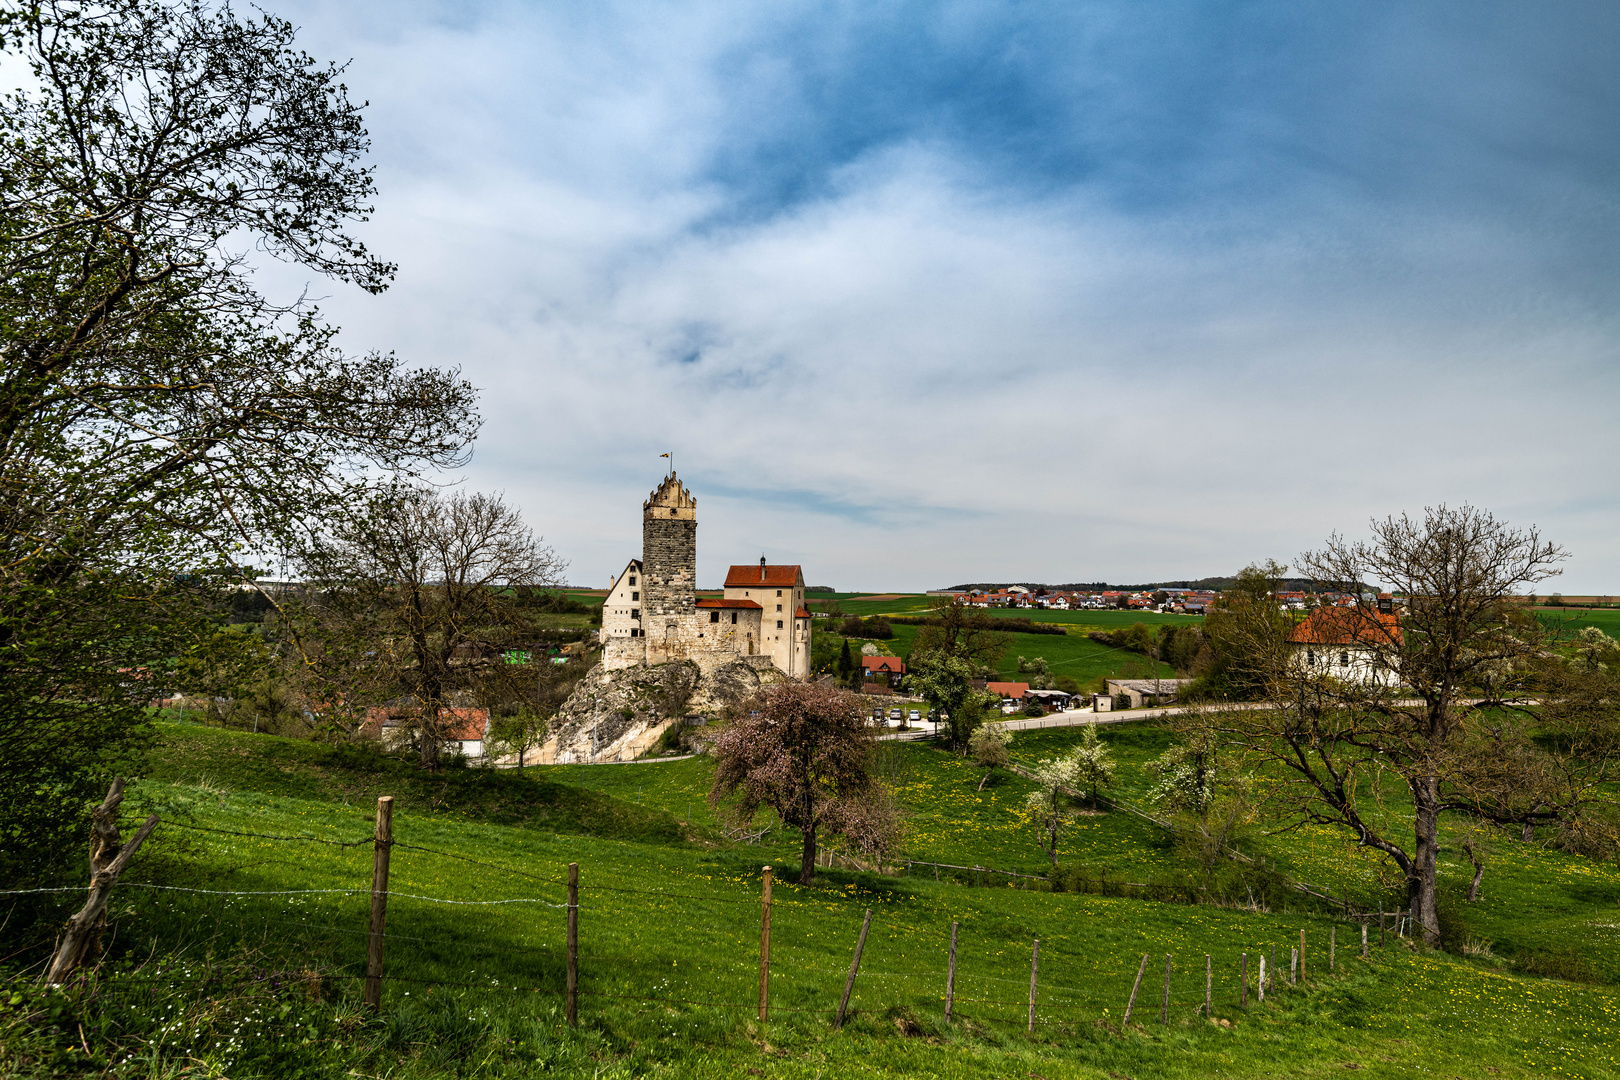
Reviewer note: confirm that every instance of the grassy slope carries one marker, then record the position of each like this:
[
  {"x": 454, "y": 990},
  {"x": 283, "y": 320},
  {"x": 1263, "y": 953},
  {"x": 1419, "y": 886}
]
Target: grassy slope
[{"x": 1407, "y": 1013}]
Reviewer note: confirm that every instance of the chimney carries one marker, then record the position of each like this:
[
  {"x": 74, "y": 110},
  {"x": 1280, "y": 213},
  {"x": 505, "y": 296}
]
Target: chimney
[{"x": 762, "y": 568}]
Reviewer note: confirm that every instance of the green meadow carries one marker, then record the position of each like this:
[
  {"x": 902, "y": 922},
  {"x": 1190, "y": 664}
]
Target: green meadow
[{"x": 669, "y": 939}]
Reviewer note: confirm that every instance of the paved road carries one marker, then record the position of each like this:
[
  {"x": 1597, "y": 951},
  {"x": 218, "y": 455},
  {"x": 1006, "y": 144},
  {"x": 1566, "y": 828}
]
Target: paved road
[{"x": 1082, "y": 717}]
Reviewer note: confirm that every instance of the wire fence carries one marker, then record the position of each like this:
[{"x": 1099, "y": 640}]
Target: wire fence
[{"x": 964, "y": 978}]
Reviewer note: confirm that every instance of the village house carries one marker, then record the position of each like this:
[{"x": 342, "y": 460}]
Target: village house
[{"x": 1346, "y": 643}]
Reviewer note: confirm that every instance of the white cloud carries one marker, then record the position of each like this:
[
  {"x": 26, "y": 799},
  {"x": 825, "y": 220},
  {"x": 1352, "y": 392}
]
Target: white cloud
[{"x": 926, "y": 374}]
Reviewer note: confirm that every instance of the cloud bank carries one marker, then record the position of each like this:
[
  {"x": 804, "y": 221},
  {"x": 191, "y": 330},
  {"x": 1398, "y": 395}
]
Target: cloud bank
[{"x": 925, "y": 293}]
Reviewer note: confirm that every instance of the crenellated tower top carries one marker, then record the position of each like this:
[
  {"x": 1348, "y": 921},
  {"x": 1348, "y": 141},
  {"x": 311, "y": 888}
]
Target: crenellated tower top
[{"x": 670, "y": 502}]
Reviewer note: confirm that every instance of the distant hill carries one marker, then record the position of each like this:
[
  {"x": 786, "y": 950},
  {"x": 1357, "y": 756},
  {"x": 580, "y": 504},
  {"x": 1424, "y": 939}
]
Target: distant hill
[{"x": 1215, "y": 583}]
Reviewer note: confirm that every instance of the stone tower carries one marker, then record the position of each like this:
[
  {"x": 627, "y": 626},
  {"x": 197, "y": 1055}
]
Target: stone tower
[{"x": 669, "y": 560}]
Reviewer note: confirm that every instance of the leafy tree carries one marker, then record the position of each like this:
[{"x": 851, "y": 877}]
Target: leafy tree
[
  {"x": 160, "y": 420},
  {"x": 516, "y": 729},
  {"x": 1418, "y": 714},
  {"x": 1093, "y": 762},
  {"x": 1048, "y": 805},
  {"x": 805, "y": 751},
  {"x": 989, "y": 745},
  {"x": 418, "y": 600},
  {"x": 1186, "y": 775},
  {"x": 967, "y": 633},
  {"x": 846, "y": 663},
  {"x": 1243, "y": 630},
  {"x": 946, "y": 683}
]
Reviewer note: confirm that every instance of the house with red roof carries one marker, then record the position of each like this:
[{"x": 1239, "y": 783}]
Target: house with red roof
[
  {"x": 890, "y": 669},
  {"x": 1352, "y": 644}
]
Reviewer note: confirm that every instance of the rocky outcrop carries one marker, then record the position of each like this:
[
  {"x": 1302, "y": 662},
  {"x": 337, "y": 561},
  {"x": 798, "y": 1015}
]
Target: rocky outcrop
[{"x": 618, "y": 715}]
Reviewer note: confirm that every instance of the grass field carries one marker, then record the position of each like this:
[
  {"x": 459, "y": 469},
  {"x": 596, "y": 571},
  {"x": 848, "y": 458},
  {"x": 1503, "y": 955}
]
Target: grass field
[
  {"x": 1072, "y": 654},
  {"x": 669, "y": 939}
]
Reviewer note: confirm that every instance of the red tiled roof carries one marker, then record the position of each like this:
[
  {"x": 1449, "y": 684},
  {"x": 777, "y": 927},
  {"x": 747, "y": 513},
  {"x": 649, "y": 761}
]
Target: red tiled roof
[
  {"x": 1347, "y": 626},
  {"x": 748, "y": 604},
  {"x": 741, "y": 577},
  {"x": 884, "y": 663},
  {"x": 802, "y": 613},
  {"x": 1008, "y": 689},
  {"x": 459, "y": 723}
]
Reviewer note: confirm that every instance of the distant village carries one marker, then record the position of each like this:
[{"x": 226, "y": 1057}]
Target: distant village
[{"x": 1176, "y": 601}]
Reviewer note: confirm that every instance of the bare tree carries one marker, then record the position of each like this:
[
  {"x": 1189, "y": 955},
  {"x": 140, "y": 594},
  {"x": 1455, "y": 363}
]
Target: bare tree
[
  {"x": 416, "y": 603},
  {"x": 805, "y": 751},
  {"x": 1364, "y": 691}
]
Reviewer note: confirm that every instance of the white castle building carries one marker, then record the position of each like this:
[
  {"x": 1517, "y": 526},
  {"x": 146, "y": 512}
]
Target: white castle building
[{"x": 653, "y": 615}]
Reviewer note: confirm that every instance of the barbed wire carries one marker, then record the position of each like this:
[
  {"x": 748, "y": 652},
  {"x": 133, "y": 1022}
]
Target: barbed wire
[
  {"x": 478, "y": 862},
  {"x": 269, "y": 836}
]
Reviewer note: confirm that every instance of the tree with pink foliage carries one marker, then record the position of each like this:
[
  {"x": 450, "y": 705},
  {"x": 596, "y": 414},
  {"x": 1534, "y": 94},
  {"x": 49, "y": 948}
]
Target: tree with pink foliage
[{"x": 805, "y": 751}]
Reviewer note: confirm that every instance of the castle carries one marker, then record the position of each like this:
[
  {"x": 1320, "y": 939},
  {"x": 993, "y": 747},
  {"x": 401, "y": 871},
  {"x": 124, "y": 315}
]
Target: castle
[{"x": 652, "y": 614}]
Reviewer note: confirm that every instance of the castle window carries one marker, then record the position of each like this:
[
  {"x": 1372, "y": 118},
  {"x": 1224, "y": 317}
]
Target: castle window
[
  {"x": 632, "y": 580},
  {"x": 734, "y": 621},
  {"x": 778, "y": 593},
  {"x": 672, "y": 511},
  {"x": 779, "y": 623},
  {"x": 779, "y": 607},
  {"x": 714, "y": 616},
  {"x": 635, "y": 596},
  {"x": 635, "y": 613}
]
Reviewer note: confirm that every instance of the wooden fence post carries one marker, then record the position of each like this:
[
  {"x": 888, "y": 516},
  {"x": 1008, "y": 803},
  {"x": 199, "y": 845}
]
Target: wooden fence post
[
  {"x": 1260, "y": 983},
  {"x": 764, "y": 945},
  {"x": 1243, "y": 977},
  {"x": 1034, "y": 966},
  {"x": 381, "y": 847},
  {"x": 1164, "y": 1008},
  {"x": 1364, "y": 941},
  {"x": 1302, "y": 956},
  {"x": 1131, "y": 1004},
  {"x": 1333, "y": 949},
  {"x": 573, "y": 945},
  {"x": 950, "y": 976},
  {"x": 108, "y": 857},
  {"x": 854, "y": 966},
  {"x": 1209, "y": 988},
  {"x": 1293, "y": 967}
]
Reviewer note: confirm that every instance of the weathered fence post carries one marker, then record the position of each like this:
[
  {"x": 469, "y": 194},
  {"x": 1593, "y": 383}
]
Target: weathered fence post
[
  {"x": 1333, "y": 949},
  {"x": 1364, "y": 941},
  {"x": 1131, "y": 1004},
  {"x": 1164, "y": 1008},
  {"x": 764, "y": 945},
  {"x": 108, "y": 857},
  {"x": 573, "y": 945},
  {"x": 1243, "y": 977},
  {"x": 1302, "y": 956},
  {"x": 1034, "y": 966},
  {"x": 1260, "y": 983},
  {"x": 1209, "y": 988},
  {"x": 950, "y": 976},
  {"x": 854, "y": 966},
  {"x": 381, "y": 847},
  {"x": 1293, "y": 967}
]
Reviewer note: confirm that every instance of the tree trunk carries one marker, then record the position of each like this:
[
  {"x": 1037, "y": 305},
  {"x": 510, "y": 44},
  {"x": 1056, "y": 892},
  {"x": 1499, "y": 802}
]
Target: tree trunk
[
  {"x": 108, "y": 857},
  {"x": 1479, "y": 872},
  {"x": 1529, "y": 832},
  {"x": 985, "y": 779},
  {"x": 807, "y": 857},
  {"x": 1423, "y": 877}
]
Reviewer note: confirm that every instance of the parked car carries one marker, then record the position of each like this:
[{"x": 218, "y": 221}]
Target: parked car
[
  {"x": 895, "y": 714},
  {"x": 916, "y": 714}
]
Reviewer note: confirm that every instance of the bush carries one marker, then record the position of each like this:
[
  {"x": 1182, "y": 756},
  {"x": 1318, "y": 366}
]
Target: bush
[{"x": 876, "y": 628}]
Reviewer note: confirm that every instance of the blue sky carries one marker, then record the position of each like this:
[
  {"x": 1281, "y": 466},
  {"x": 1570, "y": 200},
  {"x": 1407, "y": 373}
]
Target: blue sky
[{"x": 922, "y": 293}]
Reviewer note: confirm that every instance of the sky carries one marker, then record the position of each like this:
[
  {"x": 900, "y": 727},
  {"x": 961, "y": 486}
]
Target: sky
[{"x": 928, "y": 293}]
